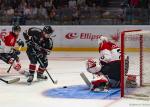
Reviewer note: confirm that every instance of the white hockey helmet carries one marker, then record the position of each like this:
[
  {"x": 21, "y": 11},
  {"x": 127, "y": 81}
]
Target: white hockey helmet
[{"x": 102, "y": 39}]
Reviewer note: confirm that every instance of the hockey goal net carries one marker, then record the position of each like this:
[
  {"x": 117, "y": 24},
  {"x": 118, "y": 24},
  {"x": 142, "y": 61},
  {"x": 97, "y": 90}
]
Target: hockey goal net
[{"x": 135, "y": 44}]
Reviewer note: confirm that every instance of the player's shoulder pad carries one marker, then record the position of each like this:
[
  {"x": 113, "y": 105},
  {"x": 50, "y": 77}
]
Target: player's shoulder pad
[
  {"x": 113, "y": 45},
  {"x": 104, "y": 46}
]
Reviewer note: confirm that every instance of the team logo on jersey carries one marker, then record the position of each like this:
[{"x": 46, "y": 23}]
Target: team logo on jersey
[{"x": 71, "y": 36}]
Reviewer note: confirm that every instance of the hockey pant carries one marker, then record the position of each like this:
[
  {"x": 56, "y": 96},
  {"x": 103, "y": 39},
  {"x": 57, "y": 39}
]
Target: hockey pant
[{"x": 33, "y": 61}]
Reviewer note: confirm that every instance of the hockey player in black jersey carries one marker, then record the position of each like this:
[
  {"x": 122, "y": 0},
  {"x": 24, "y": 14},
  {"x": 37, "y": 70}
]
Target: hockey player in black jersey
[{"x": 39, "y": 45}]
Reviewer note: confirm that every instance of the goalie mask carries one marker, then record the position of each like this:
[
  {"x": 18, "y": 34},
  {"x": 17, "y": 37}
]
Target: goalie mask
[
  {"x": 92, "y": 67},
  {"x": 102, "y": 39}
]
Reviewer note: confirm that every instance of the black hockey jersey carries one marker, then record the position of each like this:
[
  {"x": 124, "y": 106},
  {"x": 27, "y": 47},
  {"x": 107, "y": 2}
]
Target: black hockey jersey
[{"x": 38, "y": 38}]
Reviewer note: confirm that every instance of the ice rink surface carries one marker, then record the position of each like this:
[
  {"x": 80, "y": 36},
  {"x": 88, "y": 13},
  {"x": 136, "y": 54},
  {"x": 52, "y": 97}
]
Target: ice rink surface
[{"x": 64, "y": 67}]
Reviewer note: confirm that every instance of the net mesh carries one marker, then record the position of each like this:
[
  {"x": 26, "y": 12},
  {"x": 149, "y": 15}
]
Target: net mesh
[{"x": 137, "y": 47}]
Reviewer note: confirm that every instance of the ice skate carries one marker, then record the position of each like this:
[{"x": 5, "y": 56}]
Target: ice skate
[
  {"x": 40, "y": 76},
  {"x": 25, "y": 73},
  {"x": 30, "y": 79}
]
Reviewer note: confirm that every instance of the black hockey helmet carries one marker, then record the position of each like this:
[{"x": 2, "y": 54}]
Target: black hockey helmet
[
  {"x": 16, "y": 28},
  {"x": 48, "y": 29}
]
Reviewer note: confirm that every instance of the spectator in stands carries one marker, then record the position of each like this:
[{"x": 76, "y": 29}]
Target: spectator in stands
[
  {"x": 1, "y": 2},
  {"x": 81, "y": 2},
  {"x": 89, "y": 2},
  {"x": 145, "y": 4},
  {"x": 10, "y": 11},
  {"x": 75, "y": 15},
  {"x": 18, "y": 19},
  {"x": 135, "y": 3},
  {"x": 34, "y": 12},
  {"x": 97, "y": 2},
  {"x": 72, "y": 3},
  {"x": 42, "y": 13},
  {"x": 52, "y": 13},
  {"x": 131, "y": 3}
]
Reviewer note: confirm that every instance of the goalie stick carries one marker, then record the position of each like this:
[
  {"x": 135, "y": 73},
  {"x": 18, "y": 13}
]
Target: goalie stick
[
  {"x": 10, "y": 81},
  {"x": 88, "y": 83},
  {"x": 85, "y": 79}
]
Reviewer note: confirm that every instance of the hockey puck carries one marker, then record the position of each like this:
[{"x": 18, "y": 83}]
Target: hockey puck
[{"x": 64, "y": 86}]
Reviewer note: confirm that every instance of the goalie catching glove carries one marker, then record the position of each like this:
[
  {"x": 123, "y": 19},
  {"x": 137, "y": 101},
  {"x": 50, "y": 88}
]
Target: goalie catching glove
[
  {"x": 92, "y": 67},
  {"x": 20, "y": 43},
  {"x": 100, "y": 83}
]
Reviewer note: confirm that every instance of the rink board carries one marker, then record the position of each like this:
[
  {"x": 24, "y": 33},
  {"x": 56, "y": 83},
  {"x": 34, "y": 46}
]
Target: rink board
[{"x": 81, "y": 92}]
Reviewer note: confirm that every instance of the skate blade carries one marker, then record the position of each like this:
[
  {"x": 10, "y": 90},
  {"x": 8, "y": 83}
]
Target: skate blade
[
  {"x": 29, "y": 83},
  {"x": 39, "y": 79}
]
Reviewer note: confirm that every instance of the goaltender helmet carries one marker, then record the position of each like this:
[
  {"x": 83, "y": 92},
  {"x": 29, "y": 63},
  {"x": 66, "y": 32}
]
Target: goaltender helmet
[
  {"x": 16, "y": 28},
  {"x": 48, "y": 29}
]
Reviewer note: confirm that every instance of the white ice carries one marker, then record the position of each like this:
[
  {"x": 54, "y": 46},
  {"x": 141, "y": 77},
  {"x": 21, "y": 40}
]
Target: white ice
[{"x": 65, "y": 67}]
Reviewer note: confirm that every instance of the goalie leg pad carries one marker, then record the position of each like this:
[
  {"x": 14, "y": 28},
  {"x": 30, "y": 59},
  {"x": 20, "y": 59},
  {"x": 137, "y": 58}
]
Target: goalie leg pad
[
  {"x": 114, "y": 83},
  {"x": 131, "y": 81},
  {"x": 99, "y": 84}
]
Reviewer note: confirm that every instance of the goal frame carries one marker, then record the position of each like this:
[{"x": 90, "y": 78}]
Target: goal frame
[{"x": 122, "y": 74}]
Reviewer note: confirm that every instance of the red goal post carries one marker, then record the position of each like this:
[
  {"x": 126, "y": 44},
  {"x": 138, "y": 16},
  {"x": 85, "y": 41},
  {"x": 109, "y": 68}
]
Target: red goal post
[{"x": 140, "y": 34}]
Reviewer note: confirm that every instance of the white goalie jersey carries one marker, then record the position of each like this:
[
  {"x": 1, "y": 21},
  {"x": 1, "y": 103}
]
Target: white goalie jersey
[{"x": 109, "y": 52}]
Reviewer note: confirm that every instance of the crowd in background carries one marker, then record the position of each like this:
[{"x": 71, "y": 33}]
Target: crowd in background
[{"x": 71, "y": 11}]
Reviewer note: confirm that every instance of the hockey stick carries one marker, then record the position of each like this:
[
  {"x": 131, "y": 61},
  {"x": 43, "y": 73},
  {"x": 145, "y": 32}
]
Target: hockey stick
[
  {"x": 13, "y": 62},
  {"x": 10, "y": 81},
  {"x": 53, "y": 36},
  {"x": 85, "y": 79},
  {"x": 54, "y": 81}
]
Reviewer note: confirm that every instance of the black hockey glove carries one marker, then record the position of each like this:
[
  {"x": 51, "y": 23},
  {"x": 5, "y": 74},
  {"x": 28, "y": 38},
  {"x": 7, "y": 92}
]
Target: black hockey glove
[
  {"x": 20, "y": 43},
  {"x": 26, "y": 36},
  {"x": 29, "y": 43}
]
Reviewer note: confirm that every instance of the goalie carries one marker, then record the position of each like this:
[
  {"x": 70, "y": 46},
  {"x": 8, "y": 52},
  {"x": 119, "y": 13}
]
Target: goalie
[
  {"x": 108, "y": 71},
  {"x": 8, "y": 53},
  {"x": 39, "y": 45}
]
